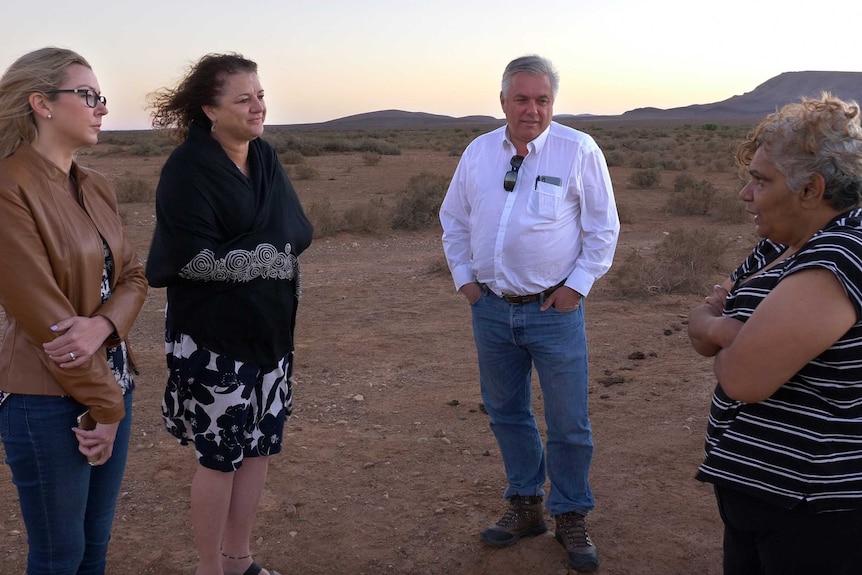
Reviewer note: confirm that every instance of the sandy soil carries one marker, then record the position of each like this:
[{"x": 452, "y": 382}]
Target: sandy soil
[{"x": 389, "y": 464}]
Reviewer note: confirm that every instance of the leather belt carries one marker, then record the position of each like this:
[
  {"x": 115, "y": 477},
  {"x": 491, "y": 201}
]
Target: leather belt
[{"x": 519, "y": 299}]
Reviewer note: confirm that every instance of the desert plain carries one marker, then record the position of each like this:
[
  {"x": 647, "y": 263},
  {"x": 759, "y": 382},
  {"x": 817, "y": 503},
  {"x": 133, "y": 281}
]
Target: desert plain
[{"x": 389, "y": 465}]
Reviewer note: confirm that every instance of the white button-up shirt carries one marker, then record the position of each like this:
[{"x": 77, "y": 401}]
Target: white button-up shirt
[{"x": 559, "y": 223}]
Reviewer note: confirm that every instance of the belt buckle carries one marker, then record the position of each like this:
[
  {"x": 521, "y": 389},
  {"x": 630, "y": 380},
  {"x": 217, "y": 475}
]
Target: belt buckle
[
  {"x": 521, "y": 299},
  {"x": 530, "y": 298}
]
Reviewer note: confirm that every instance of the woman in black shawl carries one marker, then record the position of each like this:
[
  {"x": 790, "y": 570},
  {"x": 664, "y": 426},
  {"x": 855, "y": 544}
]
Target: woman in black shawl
[{"x": 229, "y": 230}]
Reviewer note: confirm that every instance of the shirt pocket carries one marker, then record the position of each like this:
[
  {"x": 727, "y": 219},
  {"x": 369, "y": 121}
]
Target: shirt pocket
[{"x": 546, "y": 200}]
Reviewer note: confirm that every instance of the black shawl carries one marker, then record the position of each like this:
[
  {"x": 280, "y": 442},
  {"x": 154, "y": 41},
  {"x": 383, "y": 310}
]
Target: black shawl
[{"x": 226, "y": 247}]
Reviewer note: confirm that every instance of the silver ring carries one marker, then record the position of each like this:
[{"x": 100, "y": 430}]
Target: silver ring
[{"x": 73, "y": 356}]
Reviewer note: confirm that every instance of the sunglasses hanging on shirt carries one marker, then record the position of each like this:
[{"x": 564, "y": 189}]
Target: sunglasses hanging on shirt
[{"x": 511, "y": 176}]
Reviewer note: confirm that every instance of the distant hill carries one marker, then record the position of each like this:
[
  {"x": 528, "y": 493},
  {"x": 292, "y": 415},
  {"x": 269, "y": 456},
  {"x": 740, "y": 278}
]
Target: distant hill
[
  {"x": 764, "y": 99},
  {"x": 398, "y": 119}
]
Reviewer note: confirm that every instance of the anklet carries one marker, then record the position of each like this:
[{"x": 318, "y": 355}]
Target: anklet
[{"x": 223, "y": 554}]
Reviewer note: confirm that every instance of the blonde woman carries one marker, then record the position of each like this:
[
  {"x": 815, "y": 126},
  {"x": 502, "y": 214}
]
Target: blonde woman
[{"x": 71, "y": 286}]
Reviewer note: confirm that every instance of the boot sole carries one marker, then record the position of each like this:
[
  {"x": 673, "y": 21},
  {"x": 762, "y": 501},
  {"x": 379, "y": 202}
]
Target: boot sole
[
  {"x": 531, "y": 532},
  {"x": 585, "y": 563}
]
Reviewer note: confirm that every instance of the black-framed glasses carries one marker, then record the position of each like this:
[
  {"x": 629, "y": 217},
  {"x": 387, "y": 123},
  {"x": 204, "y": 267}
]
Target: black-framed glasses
[
  {"x": 91, "y": 98},
  {"x": 511, "y": 176}
]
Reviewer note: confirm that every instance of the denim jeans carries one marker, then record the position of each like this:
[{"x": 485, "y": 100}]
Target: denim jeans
[
  {"x": 67, "y": 505},
  {"x": 510, "y": 340}
]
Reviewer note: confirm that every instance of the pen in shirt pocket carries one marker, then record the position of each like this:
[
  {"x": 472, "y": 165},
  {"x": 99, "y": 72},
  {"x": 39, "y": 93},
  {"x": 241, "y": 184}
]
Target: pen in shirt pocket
[{"x": 547, "y": 180}]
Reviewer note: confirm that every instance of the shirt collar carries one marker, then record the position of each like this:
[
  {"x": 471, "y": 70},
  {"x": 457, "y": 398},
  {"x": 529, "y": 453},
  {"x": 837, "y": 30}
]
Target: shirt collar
[{"x": 533, "y": 147}]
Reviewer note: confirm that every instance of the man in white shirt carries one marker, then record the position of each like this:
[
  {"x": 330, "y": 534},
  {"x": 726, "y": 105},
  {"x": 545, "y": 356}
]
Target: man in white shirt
[{"x": 529, "y": 224}]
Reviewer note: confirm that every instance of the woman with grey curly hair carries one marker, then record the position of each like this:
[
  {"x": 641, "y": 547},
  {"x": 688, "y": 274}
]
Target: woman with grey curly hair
[{"x": 785, "y": 331}]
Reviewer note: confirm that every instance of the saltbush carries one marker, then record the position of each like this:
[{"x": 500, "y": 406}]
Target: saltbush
[
  {"x": 686, "y": 261},
  {"x": 304, "y": 172},
  {"x": 370, "y": 158},
  {"x": 132, "y": 190},
  {"x": 690, "y": 196},
  {"x": 419, "y": 204},
  {"x": 371, "y": 217},
  {"x": 649, "y": 178},
  {"x": 290, "y": 157},
  {"x": 325, "y": 221}
]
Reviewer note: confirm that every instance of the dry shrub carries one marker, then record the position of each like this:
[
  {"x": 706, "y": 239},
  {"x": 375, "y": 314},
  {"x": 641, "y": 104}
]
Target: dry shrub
[
  {"x": 310, "y": 150},
  {"x": 324, "y": 220},
  {"x": 336, "y": 146},
  {"x": 626, "y": 213},
  {"x": 649, "y": 178},
  {"x": 304, "y": 172},
  {"x": 615, "y": 158},
  {"x": 146, "y": 149},
  {"x": 723, "y": 164},
  {"x": 372, "y": 217},
  {"x": 728, "y": 208},
  {"x": 676, "y": 164},
  {"x": 132, "y": 190},
  {"x": 370, "y": 158},
  {"x": 291, "y": 157},
  {"x": 381, "y": 147},
  {"x": 419, "y": 204},
  {"x": 684, "y": 262},
  {"x": 438, "y": 266},
  {"x": 645, "y": 161},
  {"x": 690, "y": 197}
]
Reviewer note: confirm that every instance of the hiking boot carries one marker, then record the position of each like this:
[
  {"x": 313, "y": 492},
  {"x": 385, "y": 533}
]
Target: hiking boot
[
  {"x": 524, "y": 518},
  {"x": 572, "y": 534}
]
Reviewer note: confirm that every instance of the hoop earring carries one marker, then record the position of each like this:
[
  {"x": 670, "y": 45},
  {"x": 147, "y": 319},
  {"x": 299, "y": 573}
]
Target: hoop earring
[{"x": 213, "y": 127}]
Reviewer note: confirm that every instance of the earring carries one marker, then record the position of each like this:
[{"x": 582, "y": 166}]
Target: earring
[
  {"x": 213, "y": 127},
  {"x": 49, "y": 115}
]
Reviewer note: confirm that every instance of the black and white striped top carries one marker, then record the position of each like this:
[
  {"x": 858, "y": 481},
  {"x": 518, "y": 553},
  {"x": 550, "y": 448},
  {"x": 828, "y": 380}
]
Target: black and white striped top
[{"x": 805, "y": 442}]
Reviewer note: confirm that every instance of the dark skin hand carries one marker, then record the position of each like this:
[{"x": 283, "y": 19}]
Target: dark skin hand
[{"x": 708, "y": 330}]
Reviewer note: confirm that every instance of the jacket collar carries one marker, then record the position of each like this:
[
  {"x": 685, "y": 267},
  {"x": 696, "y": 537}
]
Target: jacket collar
[{"x": 29, "y": 154}]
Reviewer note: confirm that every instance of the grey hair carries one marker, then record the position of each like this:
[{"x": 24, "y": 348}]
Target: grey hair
[
  {"x": 816, "y": 136},
  {"x": 532, "y": 64}
]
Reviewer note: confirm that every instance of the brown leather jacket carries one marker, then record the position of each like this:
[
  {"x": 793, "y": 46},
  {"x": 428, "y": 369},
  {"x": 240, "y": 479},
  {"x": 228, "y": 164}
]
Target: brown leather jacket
[{"x": 51, "y": 263}]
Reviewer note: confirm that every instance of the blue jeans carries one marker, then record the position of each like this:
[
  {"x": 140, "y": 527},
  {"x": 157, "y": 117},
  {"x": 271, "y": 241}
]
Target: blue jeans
[
  {"x": 67, "y": 505},
  {"x": 510, "y": 339}
]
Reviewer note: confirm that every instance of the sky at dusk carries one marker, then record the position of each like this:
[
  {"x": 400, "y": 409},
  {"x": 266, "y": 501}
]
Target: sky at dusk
[{"x": 325, "y": 59}]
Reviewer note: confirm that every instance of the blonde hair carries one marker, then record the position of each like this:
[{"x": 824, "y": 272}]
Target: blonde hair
[{"x": 42, "y": 70}]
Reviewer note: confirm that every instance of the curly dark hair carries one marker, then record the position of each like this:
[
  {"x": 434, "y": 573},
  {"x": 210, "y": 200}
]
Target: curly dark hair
[{"x": 177, "y": 108}]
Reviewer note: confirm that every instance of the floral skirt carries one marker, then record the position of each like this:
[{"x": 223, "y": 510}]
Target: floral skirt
[{"x": 229, "y": 409}]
